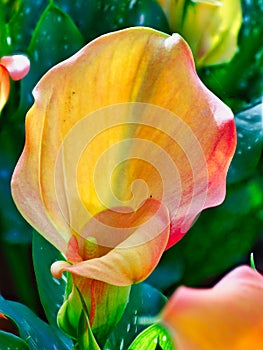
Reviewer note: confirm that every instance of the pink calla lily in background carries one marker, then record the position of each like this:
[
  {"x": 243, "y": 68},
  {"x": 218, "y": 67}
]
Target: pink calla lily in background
[
  {"x": 15, "y": 67},
  {"x": 228, "y": 316}
]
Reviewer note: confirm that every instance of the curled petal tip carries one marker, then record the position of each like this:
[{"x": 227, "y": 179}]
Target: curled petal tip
[
  {"x": 58, "y": 267},
  {"x": 135, "y": 257}
]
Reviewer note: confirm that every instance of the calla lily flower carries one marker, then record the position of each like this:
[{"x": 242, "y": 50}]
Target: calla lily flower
[
  {"x": 124, "y": 148},
  {"x": 210, "y": 27},
  {"x": 65, "y": 177},
  {"x": 16, "y": 67},
  {"x": 135, "y": 94},
  {"x": 228, "y": 316}
]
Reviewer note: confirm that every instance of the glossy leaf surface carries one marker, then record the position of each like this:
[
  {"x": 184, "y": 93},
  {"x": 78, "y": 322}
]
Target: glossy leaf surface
[
  {"x": 106, "y": 16},
  {"x": 11, "y": 341},
  {"x": 142, "y": 310},
  {"x": 39, "y": 335},
  {"x": 57, "y": 32},
  {"x": 249, "y": 125},
  {"x": 153, "y": 338},
  {"x": 51, "y": 290}
]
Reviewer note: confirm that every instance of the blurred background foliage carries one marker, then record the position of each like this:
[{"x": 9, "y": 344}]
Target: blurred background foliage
[{"x": 51, "y": 31}]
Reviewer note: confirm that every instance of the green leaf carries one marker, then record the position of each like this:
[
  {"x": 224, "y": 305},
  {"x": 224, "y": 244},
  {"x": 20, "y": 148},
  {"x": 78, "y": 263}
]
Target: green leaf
[
  {"x": 110, "y": 308},
  {"x": 70, "y": 313},
  {"x": 51, "y": 290},
  {"x": 11, "y": 341},
  {"x": 97, "y": 17},
  {"x": 73, "y": 318},
  {"x": 24, "y": 17},
  {"x": 144, "y": 306},
  {"x": 54, "y": 39},
  {"x": 86, "y": 339},
  {"x": 84, "y": 14},
  {"x": 4, "y": 47},
  {"x": 249, "y": 124},
  {"x": 110, "y": 304},
  {"x": 147, "y": 13},
  {"x": 153, "y": 338},
  {"x": 38, "y": 334},
  {"x": 252, "y": 262}
]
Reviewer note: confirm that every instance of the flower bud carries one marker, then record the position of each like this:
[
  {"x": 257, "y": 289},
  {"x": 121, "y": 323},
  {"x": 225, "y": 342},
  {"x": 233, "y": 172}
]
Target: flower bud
[{"x": 209, "y": 26}]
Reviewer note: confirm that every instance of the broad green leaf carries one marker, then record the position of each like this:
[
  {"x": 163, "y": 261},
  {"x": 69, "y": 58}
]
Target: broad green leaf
[
  {"x": 249, "y": 124},
  {"x": 51, "y": 290},
  {"x": 110, "y": 305},
  {"x": 24, "y": 15},
  {"x": 143, "y": 308},
  {"x": 9, "y": 7},
  {"x": 84, "y": 14},
  {"x": 97, "y": 17},
  {"x": 86, "y": 339},
  {"x": 4, "y": 47},
  {"x": 145, "y": 13},
  {"x": 54, "y": 39},
  {"x": 250, "y": 56},
  {"x": 74, "y": 320},
  {"x": 38, "y": 334},
  {"x": 11, "y": 341},
  {"x": 153, "y": 338}
]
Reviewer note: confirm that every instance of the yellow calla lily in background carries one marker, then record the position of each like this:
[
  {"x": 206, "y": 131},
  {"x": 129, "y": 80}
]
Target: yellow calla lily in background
[
  {"x": 16, "y": 67},
  {"x": 210, "y": 27},
  {"x": 124, "y": 148},
  {"x": 228, "y": 316}
]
